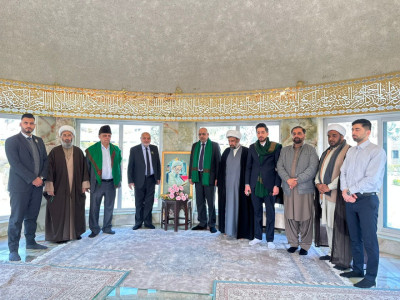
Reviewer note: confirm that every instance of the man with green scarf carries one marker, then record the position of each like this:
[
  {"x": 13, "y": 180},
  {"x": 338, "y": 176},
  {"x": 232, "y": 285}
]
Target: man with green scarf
[
  {"x": 203, "y": 173},
  {"x": 263, "y": 182},
  {"x": 104, "y": 164}
]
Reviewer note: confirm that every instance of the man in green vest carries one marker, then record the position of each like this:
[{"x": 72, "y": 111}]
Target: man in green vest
[{"x": 104, "y": 161}]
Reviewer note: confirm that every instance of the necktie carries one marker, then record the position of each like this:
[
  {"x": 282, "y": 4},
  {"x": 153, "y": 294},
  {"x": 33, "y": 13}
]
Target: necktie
[
  {"x": 201, "y": 159},
  {"x": 35, "y": 153},
  {"x": 147, "y": 162}
]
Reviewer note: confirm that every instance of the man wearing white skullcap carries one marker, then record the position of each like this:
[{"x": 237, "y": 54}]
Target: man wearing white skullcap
[
  {"x": 326, "y": 181},
  {"x": 66, "y": 128},
  {"x": 68, "y": 180},
  {"x": 235, "y": 211}
]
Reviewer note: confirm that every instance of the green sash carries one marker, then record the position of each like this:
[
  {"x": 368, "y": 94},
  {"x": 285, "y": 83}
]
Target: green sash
[
  {"x": 262, "y": 151},
  {"x": 94, "y": 154},
  {"x": 206, "y": 163}
]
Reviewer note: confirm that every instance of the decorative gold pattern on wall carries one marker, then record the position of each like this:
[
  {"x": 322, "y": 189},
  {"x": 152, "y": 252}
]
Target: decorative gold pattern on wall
[{"x": 367, "y": 95}]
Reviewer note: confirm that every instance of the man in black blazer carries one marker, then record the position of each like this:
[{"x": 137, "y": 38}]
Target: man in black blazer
[
  {"x": 27, "y": 157},
  {"x": 263, "y": 182},
  {"x": 143, "y": 174},
  {"x": 203, "y": 173}
]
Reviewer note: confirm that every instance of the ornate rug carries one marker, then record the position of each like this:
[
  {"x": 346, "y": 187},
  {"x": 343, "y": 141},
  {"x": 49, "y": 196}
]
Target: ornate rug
[
  {"x": 27, "y": 281},
  {"x": 259, "y": 291},
  {"x": 190, "y": 261}
]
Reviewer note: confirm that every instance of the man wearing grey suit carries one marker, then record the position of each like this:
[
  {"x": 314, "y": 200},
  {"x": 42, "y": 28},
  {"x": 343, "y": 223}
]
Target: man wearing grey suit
[
  {"x": 143, "y": 174},
  {"x": 27, "y": 157},
  {"x": 203, "y": 173}
]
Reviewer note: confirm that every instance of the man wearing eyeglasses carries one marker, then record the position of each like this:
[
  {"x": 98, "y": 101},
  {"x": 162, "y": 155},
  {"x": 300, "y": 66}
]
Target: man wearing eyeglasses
[{"x": 203, "y": 173}]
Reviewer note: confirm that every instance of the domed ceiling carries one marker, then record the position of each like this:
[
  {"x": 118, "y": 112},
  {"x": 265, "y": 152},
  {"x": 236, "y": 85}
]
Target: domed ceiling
[{"x": 197, "y": 45}]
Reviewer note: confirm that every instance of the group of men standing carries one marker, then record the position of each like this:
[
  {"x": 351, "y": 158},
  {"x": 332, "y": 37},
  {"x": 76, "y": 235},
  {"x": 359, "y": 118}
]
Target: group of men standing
[
  {"x": 345, "y": 180},
  {"x": 64, "y": 176}
]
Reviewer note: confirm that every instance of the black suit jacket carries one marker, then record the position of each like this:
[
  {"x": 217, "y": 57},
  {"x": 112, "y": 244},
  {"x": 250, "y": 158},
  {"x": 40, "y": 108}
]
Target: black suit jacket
[
  {"x": 20, "y": 157},
  {"x": 269, "y": 174},
  {"x": 215, "y": 160},
  {"x": 137, "y": 165}
]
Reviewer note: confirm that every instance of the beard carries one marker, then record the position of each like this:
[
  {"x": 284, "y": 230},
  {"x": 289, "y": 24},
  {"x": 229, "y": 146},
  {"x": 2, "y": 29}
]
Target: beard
[
  {"x": 336, "y": 144},
  {"x": 66, "y": 145},
  {"x": 297, "y": 140},
  {"x": 358, "y": 139},
  {"x": 27, "y": 131},
  {"x": 262, "y": 140}
]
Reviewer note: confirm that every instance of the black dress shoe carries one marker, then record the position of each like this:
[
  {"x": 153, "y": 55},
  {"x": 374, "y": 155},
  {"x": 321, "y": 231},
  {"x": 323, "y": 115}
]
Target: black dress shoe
[
  {"x": 92, "y": 235},
  {"x": 78, "y": 237},
  {"x": 292, "y": 249},
  {"x": 151, "y": 226},
  {"x": 340, "y": 268},
  {"x": 109, "y": 232},
  {"x": 198, "y": 227},
  {"x": 325, "y": 257},
  {"x": 213, "y": 230},
  {"x": 14, "y": 256},
  {"x": 136, "y": 227},
  {"x": 35, "y": 246},
  {"x": 365, "y": 284},
  {"x": 303, "y": 252},
  {"x": 351, "y": 274}
]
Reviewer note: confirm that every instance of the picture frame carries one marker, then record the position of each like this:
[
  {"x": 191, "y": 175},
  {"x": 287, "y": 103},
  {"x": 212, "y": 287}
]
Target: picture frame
[{"x": 175, "y": 170}]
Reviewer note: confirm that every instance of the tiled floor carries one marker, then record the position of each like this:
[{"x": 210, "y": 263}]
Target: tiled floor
[{"x": 388, "y": 275}]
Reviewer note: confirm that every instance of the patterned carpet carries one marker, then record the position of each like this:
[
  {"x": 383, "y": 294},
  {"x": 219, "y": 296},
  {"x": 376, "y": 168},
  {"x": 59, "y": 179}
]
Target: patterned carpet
[
  {"x": 190, "y": 261},
  {"x": 261, "y": 291},
  {"x": 27, "y": 281}
]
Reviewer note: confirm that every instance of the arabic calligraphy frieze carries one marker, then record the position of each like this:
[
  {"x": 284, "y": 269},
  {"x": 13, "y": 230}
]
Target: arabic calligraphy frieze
[{"x": 367, "y": 95}]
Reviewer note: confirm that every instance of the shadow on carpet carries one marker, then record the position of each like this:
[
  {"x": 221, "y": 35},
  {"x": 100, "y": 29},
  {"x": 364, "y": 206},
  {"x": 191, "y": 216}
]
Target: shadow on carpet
[
  {"x": 224, "y": 290},
  {"x": 189, "y": 261},
  {"x": 27, "y": 281}
]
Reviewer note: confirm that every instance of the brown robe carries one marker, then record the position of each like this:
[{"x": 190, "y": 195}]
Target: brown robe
[{"x": 65, "y": 212}]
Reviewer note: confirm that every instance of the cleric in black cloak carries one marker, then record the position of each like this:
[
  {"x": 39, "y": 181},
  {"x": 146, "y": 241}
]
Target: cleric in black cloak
[
  {"x": 330, "y": 207},
  {"x": 66, "y": 184},
  {"x": 235, "y": 210}
]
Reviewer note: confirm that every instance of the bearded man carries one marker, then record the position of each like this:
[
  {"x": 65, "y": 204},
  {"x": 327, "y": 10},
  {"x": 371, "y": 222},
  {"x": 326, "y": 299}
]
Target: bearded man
[
  {"x": 333, "y": 213},
  {"x": 68, "y": 180},
  {"x": 297, "y": 166},
  {"x": 262, "y": 182},
  {"x": 235, "y": 211}
]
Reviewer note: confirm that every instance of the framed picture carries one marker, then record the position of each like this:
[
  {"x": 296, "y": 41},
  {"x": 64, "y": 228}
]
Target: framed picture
[{"x": 175, "y": 170}]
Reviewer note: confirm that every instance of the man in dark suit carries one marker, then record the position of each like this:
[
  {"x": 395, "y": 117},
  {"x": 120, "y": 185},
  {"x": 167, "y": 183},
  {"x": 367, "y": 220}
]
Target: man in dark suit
[
  {"x": 27, "y": 157},
  {"x": 143, "y": 174},
  {"x": 263, "y": 182},
  {"x": 203, "y": 173}
]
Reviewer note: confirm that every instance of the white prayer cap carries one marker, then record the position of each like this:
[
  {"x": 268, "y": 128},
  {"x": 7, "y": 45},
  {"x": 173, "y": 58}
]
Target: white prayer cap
[
  {"x": 234, "y": 133},
  {"x": 66, "y": 128},
  {"x": 336, "y": 127}
]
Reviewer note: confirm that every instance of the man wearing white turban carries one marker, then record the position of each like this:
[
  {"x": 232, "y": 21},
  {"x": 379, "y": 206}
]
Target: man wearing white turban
[
  {"x": 235, "y": 210},
  {"x": 68, "y": 180},
  {"x": 330, "y": 209}
]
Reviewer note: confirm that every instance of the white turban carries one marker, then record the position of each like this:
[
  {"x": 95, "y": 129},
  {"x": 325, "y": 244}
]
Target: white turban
[
  {"x": 336, "y": 127},
  {"x": 234, "y": 133},
  {"x": 66, "y": 128}
]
